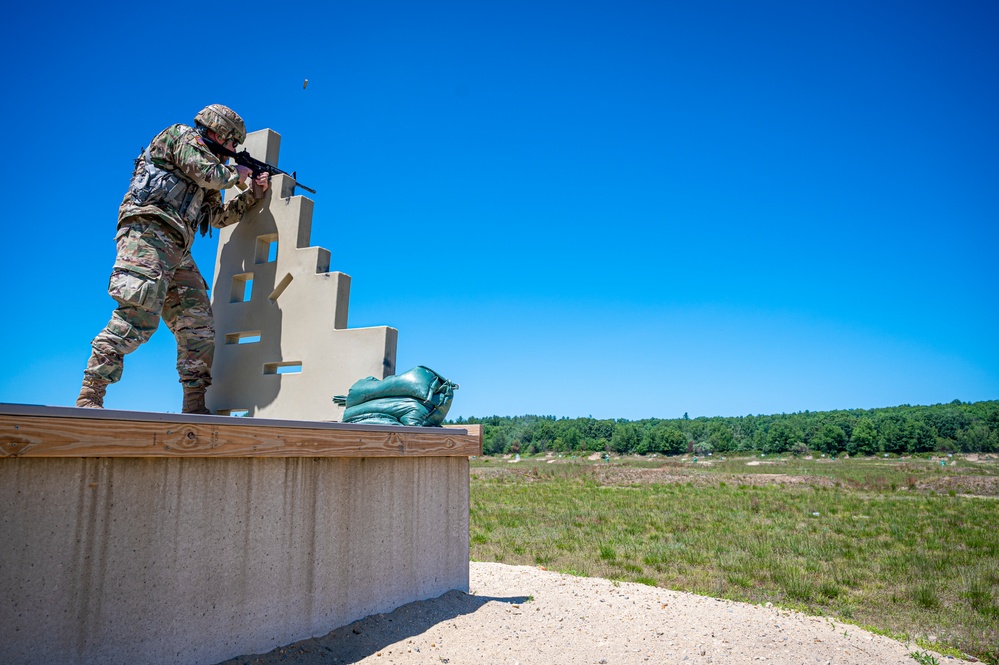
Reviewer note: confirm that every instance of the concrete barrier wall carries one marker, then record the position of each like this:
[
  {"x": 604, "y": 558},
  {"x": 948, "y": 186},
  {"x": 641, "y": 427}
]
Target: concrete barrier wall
[
  {"x": 277, "y": 305},
  {"x": 196, "y": 560}
]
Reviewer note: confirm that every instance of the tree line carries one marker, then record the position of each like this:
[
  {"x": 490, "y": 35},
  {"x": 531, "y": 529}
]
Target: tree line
[{"x": 941, "y": 428}]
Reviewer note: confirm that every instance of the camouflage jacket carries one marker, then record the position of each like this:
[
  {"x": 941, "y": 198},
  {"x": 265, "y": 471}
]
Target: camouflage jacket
[{"x": 194, "y": 178}]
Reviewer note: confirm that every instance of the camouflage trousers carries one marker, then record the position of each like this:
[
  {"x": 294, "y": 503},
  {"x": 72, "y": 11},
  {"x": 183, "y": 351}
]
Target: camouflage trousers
[{"x": 154, "y": 275}]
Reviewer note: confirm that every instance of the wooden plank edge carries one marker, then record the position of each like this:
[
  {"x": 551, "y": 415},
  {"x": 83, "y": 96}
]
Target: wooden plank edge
[
  {"x": 39, "y": 436},
  {"x": 11, "y": 409}
]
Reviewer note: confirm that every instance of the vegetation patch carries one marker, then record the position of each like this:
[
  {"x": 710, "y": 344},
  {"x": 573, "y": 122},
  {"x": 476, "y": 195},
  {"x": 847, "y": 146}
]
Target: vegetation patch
[{"x": 857, "y": 539}]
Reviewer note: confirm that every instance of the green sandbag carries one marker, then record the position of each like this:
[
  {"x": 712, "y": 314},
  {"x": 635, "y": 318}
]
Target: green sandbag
[
  {"x": 397, "y": 411},
  {"x": 373, "y": 419},
  {"x": 420, "y": 398},
  {"x": 420, "y": 383}
]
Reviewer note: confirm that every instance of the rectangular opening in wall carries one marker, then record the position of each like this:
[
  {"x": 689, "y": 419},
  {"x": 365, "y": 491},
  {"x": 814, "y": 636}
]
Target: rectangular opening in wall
[
  {"x": 235, "y": 413},
  {"x": 242, "y": 287},
  {"x": 246, "y": 337},
  {"x": 267, "y": 248},
  {"x": 287, "y": 367}
]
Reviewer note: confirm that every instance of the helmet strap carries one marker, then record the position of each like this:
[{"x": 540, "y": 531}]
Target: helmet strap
[{"x": 214, "y": 146}]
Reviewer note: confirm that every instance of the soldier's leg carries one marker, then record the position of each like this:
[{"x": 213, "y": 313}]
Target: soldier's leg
[
  {"x": 138, "y": 283},
  {"x": 187, "y": 311},
  {"x": 129, "y": 328}
]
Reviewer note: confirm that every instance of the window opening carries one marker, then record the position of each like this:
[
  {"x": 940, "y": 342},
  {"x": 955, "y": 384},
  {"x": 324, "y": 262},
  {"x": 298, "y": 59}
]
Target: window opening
[
  {"x": 247, "y": 337},
  {"x": 267, "y": 246},
  {"x": 242, "y": 287},
  {"x": 287, "y": 367}
]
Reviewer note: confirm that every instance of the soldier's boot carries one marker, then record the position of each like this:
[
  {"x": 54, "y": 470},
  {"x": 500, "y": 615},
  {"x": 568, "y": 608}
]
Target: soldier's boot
[
  {"x": 194, "y": 401},
  {"x": 92, "y": 394}
]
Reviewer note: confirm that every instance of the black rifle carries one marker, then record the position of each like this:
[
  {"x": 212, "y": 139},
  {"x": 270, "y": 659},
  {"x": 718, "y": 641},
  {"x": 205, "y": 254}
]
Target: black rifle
[{"x": 243, "y": 158}]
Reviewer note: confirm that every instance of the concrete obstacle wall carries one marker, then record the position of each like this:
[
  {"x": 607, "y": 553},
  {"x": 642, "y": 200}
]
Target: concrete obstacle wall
[
  {"x": 154, "y": 538},
  {"x": 282, "y": 345}
]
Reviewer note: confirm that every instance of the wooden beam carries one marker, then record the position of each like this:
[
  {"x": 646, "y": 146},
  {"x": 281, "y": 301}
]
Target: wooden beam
[{"x": 33, "y": 431}]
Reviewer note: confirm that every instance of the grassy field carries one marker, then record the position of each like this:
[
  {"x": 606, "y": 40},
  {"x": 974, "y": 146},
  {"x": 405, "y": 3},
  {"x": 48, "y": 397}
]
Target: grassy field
[{"x": 905, "y": 547}]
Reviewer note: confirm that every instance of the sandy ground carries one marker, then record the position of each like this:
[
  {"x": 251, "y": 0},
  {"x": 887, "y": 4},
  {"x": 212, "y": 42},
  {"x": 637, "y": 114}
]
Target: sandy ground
[{"x": 520, "y": 615}]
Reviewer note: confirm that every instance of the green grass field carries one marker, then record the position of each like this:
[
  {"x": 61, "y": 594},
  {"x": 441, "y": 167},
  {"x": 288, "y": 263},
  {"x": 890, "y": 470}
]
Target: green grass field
[{"x": 904, "y": 547}]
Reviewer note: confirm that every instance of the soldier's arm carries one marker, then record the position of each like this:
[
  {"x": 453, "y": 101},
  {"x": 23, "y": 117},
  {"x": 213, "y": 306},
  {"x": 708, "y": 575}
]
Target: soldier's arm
[
  {"x": 197, "y": 162},
  {"x": 234, "y": 208}
]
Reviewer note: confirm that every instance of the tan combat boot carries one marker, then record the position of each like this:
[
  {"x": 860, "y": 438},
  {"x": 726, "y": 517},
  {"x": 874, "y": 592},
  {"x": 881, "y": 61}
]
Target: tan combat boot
[
  {"x": 92, "y": 394},
  {"x": 194, "y": 401}
]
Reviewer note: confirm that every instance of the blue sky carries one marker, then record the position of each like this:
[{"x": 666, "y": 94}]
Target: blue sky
[{"x": 616, "y": 209}]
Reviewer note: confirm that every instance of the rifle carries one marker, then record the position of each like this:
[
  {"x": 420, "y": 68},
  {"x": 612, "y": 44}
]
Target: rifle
[{"x": 243, "y": 158}]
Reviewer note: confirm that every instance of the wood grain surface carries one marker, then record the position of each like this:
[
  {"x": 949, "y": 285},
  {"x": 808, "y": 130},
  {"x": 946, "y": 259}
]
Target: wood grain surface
[{"x": 40, "y": 435}]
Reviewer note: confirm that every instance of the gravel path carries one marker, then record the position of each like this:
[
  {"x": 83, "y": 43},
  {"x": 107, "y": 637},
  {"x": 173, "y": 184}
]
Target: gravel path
[{"x": 528, "y": 616}]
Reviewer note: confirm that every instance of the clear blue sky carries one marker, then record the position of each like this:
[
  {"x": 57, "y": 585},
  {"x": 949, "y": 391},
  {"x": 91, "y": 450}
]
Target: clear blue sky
[{"x": 616, "y": 209}]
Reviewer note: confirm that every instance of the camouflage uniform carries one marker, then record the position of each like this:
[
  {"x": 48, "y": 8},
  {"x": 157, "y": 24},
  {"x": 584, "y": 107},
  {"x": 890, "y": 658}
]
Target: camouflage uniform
[{"x": 154, "y": 273}]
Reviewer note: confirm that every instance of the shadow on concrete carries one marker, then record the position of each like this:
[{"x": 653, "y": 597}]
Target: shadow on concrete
[
  {"x": 373, "y": 634},
  {"x": 246, "y": 388}
]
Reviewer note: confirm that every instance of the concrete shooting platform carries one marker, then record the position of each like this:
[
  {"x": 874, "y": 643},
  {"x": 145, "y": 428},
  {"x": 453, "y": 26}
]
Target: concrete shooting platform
[{"x": 131, "y": 537}]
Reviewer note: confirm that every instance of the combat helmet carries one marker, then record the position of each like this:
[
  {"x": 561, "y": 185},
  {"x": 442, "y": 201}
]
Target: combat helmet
[{"x": 223, "y": 121}]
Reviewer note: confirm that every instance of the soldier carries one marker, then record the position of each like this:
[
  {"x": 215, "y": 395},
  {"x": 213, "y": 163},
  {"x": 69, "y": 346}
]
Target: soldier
[{"x": 175, "y": 190}]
